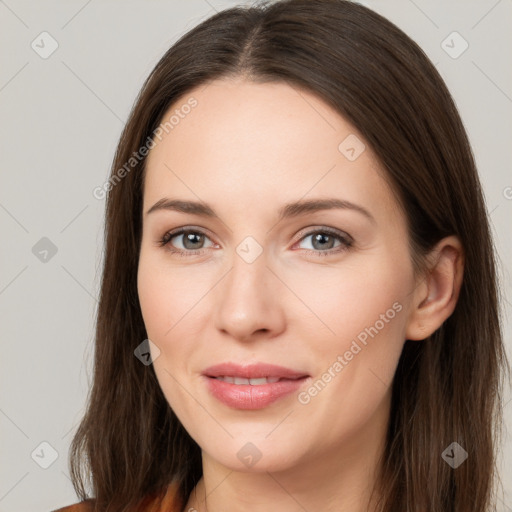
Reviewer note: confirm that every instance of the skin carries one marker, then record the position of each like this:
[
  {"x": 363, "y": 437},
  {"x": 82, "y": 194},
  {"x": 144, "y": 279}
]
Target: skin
[{"x": 246, "y": 149}]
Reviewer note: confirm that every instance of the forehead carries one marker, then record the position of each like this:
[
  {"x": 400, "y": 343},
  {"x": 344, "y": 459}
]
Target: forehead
[{"x": 251, "y": 141}]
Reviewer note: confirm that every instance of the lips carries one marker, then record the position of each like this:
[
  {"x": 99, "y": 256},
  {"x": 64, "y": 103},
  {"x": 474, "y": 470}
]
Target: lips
[{"x": 253, "y": 386}]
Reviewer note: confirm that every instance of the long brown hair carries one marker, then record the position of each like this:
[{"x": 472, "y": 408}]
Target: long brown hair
[{"x": 447, "y": 388}]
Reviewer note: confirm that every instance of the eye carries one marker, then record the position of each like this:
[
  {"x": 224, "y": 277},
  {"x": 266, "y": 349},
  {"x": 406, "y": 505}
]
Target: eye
[
  {"x": 192, "y": 241},
  {"x": 323, "y": 242}
]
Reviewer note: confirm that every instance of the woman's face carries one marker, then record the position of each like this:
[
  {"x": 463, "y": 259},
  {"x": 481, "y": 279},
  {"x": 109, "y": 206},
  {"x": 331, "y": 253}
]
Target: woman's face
[{"x": 264, "y": 277}]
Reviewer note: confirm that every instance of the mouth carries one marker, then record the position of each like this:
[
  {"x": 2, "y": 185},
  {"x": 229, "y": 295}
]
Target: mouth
[
  {"x": 253, "y": 386},
  {"x": 253, "y": 372},
  {"x": 248, "y": 382}
]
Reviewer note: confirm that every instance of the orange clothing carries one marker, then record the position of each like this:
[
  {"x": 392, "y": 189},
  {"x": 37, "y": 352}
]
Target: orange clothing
[{"x": 170, "y": 503}]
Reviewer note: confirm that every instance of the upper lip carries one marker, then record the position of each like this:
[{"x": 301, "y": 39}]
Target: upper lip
[{"x": 252, "y": 371}]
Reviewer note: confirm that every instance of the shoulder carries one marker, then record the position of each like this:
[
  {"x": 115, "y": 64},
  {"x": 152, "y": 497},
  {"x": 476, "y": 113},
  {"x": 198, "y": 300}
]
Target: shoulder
[
  {"x": 169, "y": 502},
  {"x": 83, "y": 506}
]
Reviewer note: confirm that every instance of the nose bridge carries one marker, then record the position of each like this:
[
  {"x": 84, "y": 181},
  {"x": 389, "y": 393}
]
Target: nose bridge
[
  {"x": 247, "y": 301},
  {"x": 248, "y": 271}
]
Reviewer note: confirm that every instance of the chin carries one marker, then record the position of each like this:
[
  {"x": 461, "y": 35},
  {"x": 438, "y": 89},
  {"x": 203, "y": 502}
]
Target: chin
[{"x": 258, "y": 453}]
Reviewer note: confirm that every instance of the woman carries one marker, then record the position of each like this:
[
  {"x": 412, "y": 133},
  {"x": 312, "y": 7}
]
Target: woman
[{"x": 299, "y": 307}]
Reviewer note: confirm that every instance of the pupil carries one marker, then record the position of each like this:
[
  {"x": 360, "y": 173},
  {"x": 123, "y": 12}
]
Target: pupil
[
  {"x": 319, "y": 237},
  {"x": 189, "y": 238}
]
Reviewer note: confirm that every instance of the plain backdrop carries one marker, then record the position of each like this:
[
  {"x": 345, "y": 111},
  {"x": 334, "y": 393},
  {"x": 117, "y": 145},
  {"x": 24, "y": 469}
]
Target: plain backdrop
[{"x": 69, "y": 74}]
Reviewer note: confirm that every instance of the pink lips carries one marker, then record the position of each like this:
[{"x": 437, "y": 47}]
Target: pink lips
[{"x": 252, "y": 396}]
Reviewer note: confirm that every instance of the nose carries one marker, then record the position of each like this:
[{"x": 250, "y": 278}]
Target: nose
[{"x": 248, "y": 304}]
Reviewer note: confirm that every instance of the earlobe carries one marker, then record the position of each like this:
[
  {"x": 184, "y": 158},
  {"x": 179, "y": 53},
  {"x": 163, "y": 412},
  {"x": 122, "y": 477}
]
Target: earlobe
[{"x": 435, "y": 297}]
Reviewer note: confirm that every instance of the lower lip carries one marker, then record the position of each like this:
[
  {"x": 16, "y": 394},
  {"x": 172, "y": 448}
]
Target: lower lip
[{"x": 245, "y": 396}]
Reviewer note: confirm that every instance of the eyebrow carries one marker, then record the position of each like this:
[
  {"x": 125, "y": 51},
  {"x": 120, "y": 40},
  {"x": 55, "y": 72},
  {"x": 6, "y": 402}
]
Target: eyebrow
[{"x": 289, "y": 210}]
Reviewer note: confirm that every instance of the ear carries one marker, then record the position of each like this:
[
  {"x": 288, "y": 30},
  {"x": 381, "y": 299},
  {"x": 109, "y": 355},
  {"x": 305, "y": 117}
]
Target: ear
[{"x": 437, "y": 291}]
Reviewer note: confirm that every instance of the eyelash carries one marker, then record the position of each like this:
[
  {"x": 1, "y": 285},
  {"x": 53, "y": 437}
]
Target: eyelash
[{"x": 346, "y": 242}]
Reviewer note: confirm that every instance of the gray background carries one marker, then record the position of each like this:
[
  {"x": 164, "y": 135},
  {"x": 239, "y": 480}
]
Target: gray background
[{"x": 61, "y": 120}]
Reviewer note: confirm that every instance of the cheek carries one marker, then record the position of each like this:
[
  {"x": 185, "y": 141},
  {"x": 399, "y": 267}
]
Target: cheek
[
  {"x": 164, "y": 304},
  {"x": 341, "y": 303},
  {"x": 171, "y": 299},
  {"x": 353, "y": 368},
  {"x": 166, "y": 294},
  {"x": 154, "y": 303},
  {"x": 360, "y": 317}
]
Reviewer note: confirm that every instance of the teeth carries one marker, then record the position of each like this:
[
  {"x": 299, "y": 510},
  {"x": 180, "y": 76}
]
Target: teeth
[
  {"x": 245, "y": 382},
  {"x": 258, "y": 382}
]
